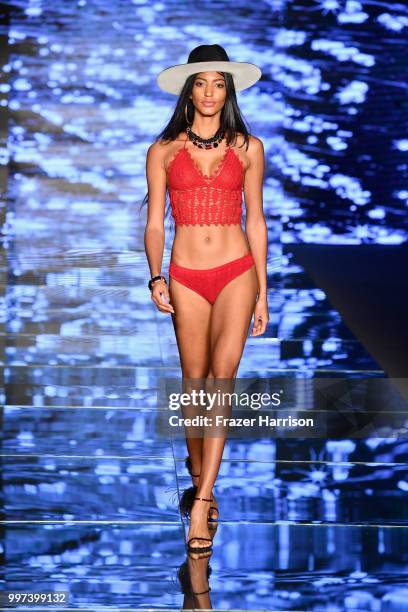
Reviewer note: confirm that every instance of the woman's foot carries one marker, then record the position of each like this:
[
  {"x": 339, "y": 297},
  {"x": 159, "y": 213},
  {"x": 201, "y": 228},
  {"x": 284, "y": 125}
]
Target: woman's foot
[{"x": 199, "y": 538}]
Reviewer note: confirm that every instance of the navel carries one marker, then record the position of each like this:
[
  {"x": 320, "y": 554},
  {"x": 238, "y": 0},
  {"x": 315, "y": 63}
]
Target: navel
[{"x": 207, "y": 239}]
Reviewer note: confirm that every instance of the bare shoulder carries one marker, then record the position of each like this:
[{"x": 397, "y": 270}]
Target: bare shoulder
[
  {"x": 161, "y": 151},
  {"x": 255, "y": 146},
  {"x": 253, "y": 154},
  {"x": 157, "y": 149},
  {"x": 156, "y": 155}
]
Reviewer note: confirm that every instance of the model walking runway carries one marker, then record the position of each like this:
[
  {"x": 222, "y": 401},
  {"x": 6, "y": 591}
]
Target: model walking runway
[{"x": 217, "y": 272}]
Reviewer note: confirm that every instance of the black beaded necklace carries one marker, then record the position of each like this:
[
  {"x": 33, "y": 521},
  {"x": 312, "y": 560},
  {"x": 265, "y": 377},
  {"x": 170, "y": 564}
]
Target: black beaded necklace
[{"x": 205, "y": 143}]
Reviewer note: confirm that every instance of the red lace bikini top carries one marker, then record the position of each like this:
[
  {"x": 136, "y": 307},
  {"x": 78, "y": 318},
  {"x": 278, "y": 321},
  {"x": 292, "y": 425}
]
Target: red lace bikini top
[{"x": 198, "y": 199}]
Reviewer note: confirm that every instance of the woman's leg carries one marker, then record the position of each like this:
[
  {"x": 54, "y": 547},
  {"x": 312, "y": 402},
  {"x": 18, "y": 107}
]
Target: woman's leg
[
  {"x": 191, "y": 321},
  {"x": 229, "y": 325}
]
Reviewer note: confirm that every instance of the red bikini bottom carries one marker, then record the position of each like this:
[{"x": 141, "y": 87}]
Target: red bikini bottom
[{"x": 210, "y": 281}]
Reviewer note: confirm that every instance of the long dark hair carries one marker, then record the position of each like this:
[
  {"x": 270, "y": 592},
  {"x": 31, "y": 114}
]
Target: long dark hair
[{"x": 232, "y": 121}]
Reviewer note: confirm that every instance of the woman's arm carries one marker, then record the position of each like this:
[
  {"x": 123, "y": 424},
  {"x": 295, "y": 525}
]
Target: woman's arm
[
  {"x": 154, "y": 234},
  {"x": 256, "y": 229}
]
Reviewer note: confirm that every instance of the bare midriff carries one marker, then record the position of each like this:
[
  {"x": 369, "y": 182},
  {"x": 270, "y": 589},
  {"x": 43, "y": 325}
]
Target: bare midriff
[{"x": 208, "y": 246}]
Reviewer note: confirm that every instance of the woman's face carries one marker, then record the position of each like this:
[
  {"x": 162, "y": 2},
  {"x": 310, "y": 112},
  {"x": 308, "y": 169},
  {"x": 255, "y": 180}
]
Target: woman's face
[{"x": 209, "y": 92}]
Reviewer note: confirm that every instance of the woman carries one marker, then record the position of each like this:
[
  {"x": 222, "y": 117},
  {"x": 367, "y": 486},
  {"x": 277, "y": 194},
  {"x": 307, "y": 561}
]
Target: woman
[{"x": 217, "y": 275}]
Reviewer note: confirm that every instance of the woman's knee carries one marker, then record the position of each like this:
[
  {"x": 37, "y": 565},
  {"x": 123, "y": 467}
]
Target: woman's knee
[
  {"x": 224, "y": 362},
  {"x": 223, "y": 370},
  {"x": 195, "y": 372}
]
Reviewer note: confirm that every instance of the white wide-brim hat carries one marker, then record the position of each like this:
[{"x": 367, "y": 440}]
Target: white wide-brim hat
[{"x": 208, "y": 58}]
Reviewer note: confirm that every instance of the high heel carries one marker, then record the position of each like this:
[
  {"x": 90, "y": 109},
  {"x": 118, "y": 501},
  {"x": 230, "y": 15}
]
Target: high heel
[
  {"x": 186, "y": 501},
  {"x": 203, "y": 549}
]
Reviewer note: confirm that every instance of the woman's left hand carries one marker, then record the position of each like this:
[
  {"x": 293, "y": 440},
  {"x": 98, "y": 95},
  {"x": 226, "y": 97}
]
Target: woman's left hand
[{"x": 261, "y": 317}]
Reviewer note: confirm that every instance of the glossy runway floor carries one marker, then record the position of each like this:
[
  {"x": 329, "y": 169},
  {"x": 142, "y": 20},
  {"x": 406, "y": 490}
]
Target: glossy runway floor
[
  {"x": 91, "y": 493},
  {"x": 90, "y": 486}
]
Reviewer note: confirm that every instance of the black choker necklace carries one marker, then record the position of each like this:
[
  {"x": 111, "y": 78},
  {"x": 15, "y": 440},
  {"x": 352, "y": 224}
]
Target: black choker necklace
[{"x": 205, "y": 143}]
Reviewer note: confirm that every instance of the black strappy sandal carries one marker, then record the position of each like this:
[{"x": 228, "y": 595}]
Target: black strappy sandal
[
  {"x": 187, "y": 500},
  {"x": 203, "y": 549}
]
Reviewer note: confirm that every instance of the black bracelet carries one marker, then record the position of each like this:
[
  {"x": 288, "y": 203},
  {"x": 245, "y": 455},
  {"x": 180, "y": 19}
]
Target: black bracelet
[{"x": 155, "y": 278}]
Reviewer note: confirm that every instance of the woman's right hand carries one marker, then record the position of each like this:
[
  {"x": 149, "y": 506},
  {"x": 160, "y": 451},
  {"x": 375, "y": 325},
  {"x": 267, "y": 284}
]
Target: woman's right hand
[{"x": 162, "y": 301}]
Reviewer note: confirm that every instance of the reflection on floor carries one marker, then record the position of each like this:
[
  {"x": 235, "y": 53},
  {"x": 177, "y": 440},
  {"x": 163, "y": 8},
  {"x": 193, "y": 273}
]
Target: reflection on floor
[
  {"x": 91, "y": 492},
  {"x": 255, "y": 566}
]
